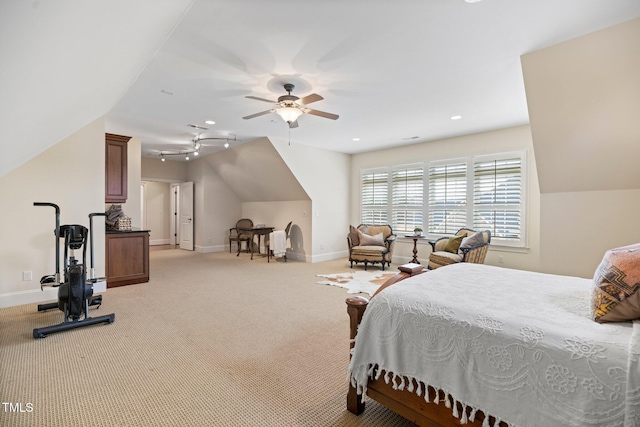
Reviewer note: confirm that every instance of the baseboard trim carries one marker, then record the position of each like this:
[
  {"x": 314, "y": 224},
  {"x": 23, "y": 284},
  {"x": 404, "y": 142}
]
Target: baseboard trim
[
  {"x": 329, "y": 256},
  {"x": 159, "y": 242},
  {"x": 209, "y": 249},
  {"x": 31, "y": 296}
]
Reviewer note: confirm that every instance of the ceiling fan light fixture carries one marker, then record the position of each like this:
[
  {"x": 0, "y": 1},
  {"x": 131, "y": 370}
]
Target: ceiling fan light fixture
[
  {"x": 289, "y": 114},
  {"x": 226, "y": 145}
]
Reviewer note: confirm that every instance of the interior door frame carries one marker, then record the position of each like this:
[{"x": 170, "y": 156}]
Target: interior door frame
[{"x": 187, "y": 216}]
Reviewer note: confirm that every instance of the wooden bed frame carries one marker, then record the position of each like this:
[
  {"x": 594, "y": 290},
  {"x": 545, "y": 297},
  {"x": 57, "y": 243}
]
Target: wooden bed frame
[{"x": 406, "y": 403}]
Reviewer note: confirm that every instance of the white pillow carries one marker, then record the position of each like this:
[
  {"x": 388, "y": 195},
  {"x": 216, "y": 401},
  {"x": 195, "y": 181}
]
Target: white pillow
[
  {"x": 366, "y": 240},
  {"x": 474, "y": 240}
]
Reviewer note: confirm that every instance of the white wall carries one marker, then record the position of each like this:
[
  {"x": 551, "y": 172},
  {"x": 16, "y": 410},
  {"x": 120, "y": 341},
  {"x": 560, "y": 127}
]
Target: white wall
[
  {"x": 69, "y": 174},
  {"x": 324, "y": 175},
  {"x": 158, "y": 211},
  {"x": 217, "y": 208},
  {"x": 579, "y": 227},
  {"x": 153, "y": 169},
  {"x": 583, "y": 103},
  {"x": 278, "y": 215},
  {"x": 504, "y": 140}
]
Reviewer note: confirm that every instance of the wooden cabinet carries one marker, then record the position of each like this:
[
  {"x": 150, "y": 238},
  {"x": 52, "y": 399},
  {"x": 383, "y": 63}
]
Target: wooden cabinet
[
  {"x": 115, "y": 168},
  {"x": 127, "y": 257}
]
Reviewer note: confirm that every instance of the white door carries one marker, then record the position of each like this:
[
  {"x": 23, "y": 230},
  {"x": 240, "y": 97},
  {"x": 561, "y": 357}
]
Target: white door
[{"x": 186, "y": 215}]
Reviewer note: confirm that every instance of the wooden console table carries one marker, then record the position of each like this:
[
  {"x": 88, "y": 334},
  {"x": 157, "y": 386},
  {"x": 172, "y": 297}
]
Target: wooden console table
[{"x": 127, "y": 257}]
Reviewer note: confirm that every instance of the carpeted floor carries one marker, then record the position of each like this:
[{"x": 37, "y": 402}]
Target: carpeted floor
[{"x": 211, "y": 340}]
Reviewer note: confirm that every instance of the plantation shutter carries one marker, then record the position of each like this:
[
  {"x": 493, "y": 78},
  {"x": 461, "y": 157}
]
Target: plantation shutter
[
  {"x": 407, "y": 199},
  {"x": 447, "y": 198},
  {"x": 497, "y": 198},
  {"x": 375, "y": 197}
]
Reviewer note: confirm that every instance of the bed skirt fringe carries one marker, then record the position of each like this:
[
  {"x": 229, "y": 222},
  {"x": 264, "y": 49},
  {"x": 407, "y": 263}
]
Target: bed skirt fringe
[{"x": 400, "y": 382}]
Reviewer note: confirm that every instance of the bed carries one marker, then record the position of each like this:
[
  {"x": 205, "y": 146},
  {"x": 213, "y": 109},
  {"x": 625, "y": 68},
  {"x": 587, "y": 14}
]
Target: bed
[{"x": 486, "y": 346}]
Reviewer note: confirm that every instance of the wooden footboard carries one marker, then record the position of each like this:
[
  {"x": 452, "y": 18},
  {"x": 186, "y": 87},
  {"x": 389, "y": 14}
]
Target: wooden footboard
[{"x": 406, "y": 403}]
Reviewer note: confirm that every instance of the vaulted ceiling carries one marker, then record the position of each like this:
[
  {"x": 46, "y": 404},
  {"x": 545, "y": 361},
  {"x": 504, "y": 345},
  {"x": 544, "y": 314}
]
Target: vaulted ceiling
[{"x": 395, "y": 72}]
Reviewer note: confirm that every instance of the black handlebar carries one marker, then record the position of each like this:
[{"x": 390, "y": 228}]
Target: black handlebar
[
  {"x": 91, "y": 215},
  {"x": 57, "y": 232}
]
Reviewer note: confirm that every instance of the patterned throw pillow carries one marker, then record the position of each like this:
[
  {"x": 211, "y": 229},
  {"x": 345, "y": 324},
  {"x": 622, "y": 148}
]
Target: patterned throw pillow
[
  {"x": 366, "y": 240},
  {"x": 616, "y": 291}
]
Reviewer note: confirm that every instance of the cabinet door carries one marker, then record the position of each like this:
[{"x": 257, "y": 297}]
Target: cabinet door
[{"x": 116, "y": 168}]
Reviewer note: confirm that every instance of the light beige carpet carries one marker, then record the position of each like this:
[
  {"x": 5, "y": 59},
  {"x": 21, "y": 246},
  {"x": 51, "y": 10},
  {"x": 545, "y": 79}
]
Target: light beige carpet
[{"x": 211, "y": 340}]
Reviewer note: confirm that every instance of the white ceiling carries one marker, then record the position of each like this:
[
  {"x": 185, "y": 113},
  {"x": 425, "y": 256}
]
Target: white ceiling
[{"x": 395, "y": 71}]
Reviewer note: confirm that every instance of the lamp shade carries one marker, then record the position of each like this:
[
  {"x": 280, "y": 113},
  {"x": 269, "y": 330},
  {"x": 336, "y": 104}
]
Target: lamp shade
[{"x": 289, "y": 114}]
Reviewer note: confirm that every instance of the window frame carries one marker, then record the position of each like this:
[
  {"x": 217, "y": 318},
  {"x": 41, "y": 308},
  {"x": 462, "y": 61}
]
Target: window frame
[{"x": 470, "y": 162}]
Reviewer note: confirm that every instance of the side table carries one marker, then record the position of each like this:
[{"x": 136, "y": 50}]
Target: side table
[{"x": 415, "y": 246}]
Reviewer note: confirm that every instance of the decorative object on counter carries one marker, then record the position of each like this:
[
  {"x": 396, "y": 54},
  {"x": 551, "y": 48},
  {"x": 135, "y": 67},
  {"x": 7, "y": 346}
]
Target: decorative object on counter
[{"x": 115, "y": 218}]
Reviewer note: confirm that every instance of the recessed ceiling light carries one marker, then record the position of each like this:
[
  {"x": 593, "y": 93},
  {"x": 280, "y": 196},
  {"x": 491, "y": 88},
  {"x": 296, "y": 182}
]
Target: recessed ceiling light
[
  {"x": 356, "y": 139},
  {"x": 210, "y": 122},
  {"x": 456, "y": 117},
  {"x": 473, "y": 1}
]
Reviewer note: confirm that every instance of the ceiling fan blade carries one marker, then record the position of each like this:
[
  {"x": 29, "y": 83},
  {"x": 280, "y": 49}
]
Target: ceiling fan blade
[
  {"x": 261, "y": 99},
  {"x": 309, "y": 99},
  {"x": 293, "y": 124},
  {"x": 321, "y": 114},
  {"x": 258, "y": 114}
]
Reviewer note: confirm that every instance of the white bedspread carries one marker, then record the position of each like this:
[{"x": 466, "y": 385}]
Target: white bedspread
[{"x": 518, "y": 345}]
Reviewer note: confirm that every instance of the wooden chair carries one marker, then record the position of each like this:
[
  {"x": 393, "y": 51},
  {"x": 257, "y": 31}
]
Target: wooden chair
[
  {"x": 287, "y": 230},
  {"x": 241, "y": 233}
]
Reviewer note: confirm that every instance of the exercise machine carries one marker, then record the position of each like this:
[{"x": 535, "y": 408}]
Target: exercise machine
[{"x": 75, "y": 292}]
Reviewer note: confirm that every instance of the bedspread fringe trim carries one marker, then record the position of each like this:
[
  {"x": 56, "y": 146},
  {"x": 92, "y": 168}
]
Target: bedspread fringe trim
[{"x": 358, "y": 377}]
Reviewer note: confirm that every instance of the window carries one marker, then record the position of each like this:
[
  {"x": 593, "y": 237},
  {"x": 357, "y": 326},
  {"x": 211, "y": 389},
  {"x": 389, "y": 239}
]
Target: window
[
  {"x": 481, "y": 192},
  {"x": 497, "y": 200},
  {"x": 447, "y": 197},
  {"x": 407, "y": 208},
  {"x": 375, "y": 197}
]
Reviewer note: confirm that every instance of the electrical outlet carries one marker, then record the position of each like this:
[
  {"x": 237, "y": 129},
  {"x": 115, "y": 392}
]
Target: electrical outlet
[
  {"x": 501, "y": 259},
  {"x": 27, "y": 276}
]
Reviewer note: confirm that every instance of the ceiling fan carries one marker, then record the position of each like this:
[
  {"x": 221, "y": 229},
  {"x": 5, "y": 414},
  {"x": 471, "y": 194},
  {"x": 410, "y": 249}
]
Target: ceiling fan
[{"x": 291, "y": 107}]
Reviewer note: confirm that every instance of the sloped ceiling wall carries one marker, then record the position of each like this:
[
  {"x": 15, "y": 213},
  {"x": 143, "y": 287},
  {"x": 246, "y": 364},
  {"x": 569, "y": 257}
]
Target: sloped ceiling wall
[
  {"x": 256, "y": 173},
  {"x": 66, "y": 63},
  {"x": 584, "y": 105}
]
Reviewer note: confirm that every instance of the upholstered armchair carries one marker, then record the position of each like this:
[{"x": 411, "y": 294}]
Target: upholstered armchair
[
  {"x": 371, "y": 244},
  {"x": 466, "y": 246},
  {"x": 241, "y": 233}
]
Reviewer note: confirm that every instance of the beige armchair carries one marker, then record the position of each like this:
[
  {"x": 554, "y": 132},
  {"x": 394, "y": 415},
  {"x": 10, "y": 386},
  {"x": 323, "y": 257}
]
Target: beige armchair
[
  {"x": 466, "y": 246},
  {"x": 371, "y": 244}
]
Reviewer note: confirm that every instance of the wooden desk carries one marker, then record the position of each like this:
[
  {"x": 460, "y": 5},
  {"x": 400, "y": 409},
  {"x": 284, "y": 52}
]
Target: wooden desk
[
  {"x": 260, "y": 231},
  {"x": 415, "y": 246}
]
